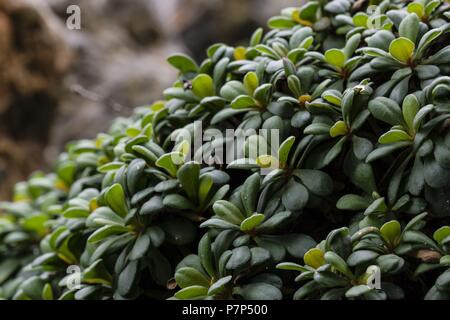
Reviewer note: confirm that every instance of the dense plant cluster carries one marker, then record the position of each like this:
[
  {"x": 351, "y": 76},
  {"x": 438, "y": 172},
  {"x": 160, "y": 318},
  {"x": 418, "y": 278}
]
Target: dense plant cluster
[{"x": 359, "y": 91}]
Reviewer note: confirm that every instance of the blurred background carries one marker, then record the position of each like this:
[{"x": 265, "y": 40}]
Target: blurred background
[{"x": 58, "y": 85}]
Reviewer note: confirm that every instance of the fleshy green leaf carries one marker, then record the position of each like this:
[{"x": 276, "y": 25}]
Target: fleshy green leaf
[
  {"x": 338, "y": 129},
  {"x": 202, "y": 86},
  {"x": 228, "y": 211},
  {"x": 243, "y": 102},
  {"x": 391, "y": 232},
  {"x": 251, "y": 82},
  {"x": 402, "y": 49},
  {"x": 188, "y": 174},
  {"x": 409, "y": 27},
  {"x": 115, "y": 198},
  {"x": 285, "y": 148},
  {"x": 314, "y": 258},
  {"x": 441, "y": 233},
  {"x": 183, "y": 63},
  {"x": 252, "y": 222},
  {"x": 352, "y": 202},
  {"x": 192, "y": 292},
  {"x": 335, "y": 57},
  {"x": 394, "y": 136}
]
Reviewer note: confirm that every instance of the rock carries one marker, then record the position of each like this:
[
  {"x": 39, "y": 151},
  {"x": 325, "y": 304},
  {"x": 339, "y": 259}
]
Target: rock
[
  {"x": 117, "y": 60},
  {"x": 33, "y": 60},
  {"x": 119, "y": 63},
  {"x": 199, "y": 23}
]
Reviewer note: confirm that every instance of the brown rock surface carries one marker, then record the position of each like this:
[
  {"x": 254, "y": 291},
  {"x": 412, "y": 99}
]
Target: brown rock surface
[
  {"x": 33, "y": 60},
  {"x": 117, "y": 62}
]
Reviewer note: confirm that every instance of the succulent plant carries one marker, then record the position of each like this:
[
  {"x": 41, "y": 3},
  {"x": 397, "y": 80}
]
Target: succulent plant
[{"x": 353, "y": 189}]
